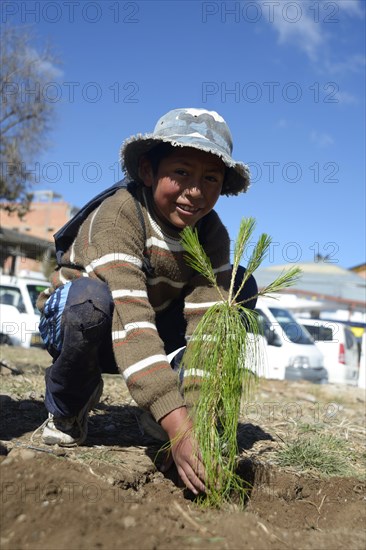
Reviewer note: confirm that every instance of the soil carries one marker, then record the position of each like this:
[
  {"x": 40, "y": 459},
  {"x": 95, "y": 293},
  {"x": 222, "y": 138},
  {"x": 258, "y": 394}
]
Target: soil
[{"x": 109, "y": 493}]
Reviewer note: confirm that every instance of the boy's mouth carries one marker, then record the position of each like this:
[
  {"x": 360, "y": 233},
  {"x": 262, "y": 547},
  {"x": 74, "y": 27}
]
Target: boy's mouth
[{"x": 188, "y": 209}]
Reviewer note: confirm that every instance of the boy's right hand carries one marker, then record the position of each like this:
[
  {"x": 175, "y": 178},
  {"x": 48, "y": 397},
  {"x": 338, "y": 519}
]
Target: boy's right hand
[{"x": 184, "y": 449}]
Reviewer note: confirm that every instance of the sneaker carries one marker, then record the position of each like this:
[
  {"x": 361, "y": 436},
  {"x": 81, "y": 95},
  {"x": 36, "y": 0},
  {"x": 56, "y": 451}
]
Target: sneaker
[
  {"x": 69, "y": 432},
  {"x": 152, "y": 428}
]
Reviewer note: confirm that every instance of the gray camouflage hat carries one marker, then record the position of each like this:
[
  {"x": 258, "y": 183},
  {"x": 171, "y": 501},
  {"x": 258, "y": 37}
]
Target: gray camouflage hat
[{"x": 197, "y": 128}]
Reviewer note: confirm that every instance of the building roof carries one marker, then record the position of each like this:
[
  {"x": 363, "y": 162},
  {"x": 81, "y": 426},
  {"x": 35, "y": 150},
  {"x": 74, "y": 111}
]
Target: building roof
[
  {"x": 21, "y": 244},
  {"x": 358, "y": 267},
  {"x": 321, "y": 280}
]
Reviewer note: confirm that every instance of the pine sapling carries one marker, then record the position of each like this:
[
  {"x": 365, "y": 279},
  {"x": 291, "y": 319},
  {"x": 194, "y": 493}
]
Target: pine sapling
[{"x": 216, "y": 354}]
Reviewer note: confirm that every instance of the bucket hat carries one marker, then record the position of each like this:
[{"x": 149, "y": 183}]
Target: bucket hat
[{"x": 197, "y": 128}]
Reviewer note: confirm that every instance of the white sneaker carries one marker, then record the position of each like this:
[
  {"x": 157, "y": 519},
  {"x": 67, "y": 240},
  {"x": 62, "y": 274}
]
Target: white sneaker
[{"x": 69, "y": 432}]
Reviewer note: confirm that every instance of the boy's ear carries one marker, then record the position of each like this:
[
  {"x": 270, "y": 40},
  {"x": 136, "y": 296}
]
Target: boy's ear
[{"x": 145, "y": 171}]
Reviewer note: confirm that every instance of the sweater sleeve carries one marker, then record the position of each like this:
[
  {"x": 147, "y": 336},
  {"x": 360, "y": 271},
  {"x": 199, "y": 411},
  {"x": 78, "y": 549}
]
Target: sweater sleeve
[
  {"x": 112, "y": 244},
  {"x": 201, "y": 295}
]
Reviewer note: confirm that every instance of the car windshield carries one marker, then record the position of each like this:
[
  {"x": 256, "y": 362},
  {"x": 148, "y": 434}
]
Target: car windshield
[
  {"x": 293, "y": 331},
  {"x": 34, "y": 291}
]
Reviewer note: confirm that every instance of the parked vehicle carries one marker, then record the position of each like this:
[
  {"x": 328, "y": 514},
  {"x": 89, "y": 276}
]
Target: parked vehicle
[
  {"x": 362, "y": 374},
  {"x": 339, "y": 348},
  {"x": 290, "y": 350},
  {"x": 19, "y": 317}
]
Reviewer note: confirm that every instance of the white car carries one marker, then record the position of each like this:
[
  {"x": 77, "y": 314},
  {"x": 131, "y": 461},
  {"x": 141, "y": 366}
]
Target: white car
[
  {"x": 19, "y": 317},
  {"x": 290, "y": 352},
  {"x": 339, "y": 348}
]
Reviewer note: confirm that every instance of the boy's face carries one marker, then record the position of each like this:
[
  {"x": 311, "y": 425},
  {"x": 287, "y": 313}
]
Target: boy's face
[{"x": 186, "y": 187}]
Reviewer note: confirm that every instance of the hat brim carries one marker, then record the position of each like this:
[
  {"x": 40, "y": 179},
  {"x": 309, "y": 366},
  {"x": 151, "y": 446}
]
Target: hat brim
[{"x": 237, "y": 178}]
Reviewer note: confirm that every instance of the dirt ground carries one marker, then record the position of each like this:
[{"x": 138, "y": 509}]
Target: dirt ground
[{"x": 109, "y": 493}]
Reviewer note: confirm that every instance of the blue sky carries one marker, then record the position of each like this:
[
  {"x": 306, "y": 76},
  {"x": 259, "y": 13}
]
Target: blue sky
[{"x": 287, "y": 76}]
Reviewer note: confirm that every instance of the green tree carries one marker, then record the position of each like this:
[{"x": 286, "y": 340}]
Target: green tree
[{"x": 26, "y": 113}]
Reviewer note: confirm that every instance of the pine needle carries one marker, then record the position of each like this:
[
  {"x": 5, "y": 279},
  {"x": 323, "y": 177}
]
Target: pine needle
[
  {"x": 246, "y": 230},
  {"x": 284, "y": 280},
  {"x": 197, "y": 257}
]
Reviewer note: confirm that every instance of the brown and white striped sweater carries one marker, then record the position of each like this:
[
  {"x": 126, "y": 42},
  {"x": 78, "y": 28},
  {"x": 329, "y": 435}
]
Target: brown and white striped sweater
[{"x": 110, "y": 246}]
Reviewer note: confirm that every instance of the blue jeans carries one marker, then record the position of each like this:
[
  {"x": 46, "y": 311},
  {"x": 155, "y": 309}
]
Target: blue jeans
[{"x": 76, "y": 328}]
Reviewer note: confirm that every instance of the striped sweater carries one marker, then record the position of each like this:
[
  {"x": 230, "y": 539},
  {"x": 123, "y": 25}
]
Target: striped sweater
[{"x": 110, "y": 246}]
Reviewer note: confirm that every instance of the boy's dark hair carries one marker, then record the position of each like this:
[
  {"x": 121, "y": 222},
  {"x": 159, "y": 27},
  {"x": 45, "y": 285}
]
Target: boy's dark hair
[{"x": 156, "y": 155}]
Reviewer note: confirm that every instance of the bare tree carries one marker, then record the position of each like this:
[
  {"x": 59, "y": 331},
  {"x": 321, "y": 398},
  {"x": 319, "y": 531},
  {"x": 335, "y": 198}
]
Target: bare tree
[{"x": 26, "y": 112}]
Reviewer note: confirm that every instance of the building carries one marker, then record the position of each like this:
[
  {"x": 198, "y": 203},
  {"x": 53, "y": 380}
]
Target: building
[
  {"x": 323, "y": 286},
  {"x": 360, "y": 270},
  {"x": 48, "y": 212},
  {"x": 22, "y": 254}
]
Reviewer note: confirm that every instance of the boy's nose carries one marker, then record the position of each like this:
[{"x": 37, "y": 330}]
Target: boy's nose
[{"x": 194, "y": 189}]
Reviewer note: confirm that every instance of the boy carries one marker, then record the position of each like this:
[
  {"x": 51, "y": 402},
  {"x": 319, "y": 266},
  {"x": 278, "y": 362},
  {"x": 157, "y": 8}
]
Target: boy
[{"x": 123, "y": 284}]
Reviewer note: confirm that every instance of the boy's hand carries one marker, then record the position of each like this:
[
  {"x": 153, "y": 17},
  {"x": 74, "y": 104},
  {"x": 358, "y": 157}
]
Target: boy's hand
[{"x": 184, "y": 449}]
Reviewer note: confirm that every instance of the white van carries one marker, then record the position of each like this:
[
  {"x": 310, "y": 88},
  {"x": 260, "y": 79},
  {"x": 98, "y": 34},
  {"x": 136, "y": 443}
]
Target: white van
[
  {"x": 290, "y": 350},
  {"x": 19, "y": 317},
  {"x": 362, "y": 375},
  {"x": 339, "y": 347}
]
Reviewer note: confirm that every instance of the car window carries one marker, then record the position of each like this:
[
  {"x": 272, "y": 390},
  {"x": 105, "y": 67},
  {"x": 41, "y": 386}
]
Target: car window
[
  {"x": 350, "y": 340},
  {"x": 291, "y": 328},
  {"x": 319, "y": 333},
  {"x": 266, "y": 329},
  {"x": 11, "y": 296},
  {"x": 34, "y": 291}
]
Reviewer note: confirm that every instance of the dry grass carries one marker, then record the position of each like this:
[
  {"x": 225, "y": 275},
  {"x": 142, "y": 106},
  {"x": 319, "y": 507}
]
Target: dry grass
[
  {"x": 321, "y": 453},
  {"x": 290, "y": 413}
]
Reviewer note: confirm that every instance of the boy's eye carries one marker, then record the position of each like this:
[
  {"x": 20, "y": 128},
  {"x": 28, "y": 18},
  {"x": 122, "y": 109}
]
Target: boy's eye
[
  {"x": 212, "y": 179},
  {"x": 180, "y": 172}
]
